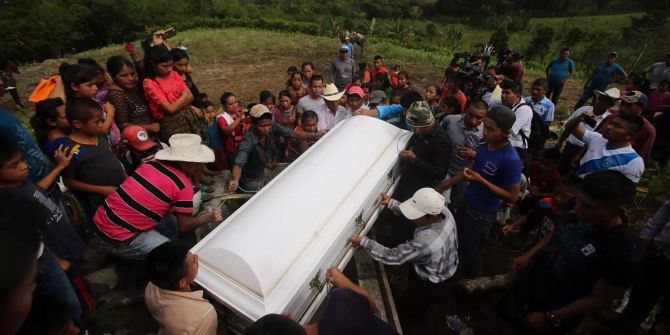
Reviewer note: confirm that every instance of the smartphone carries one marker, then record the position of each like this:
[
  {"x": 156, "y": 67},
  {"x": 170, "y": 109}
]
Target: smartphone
[
  {"x": 590, "y": 121},
  {"x": 169, "y": 34}
]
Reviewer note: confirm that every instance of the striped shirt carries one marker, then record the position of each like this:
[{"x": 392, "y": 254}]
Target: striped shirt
[
  {"x": 658, "y": 230},
  {"x": 600, "y": 156},
  {"x": 433, "y": 250},
  {"x": 142, "y": 200}
]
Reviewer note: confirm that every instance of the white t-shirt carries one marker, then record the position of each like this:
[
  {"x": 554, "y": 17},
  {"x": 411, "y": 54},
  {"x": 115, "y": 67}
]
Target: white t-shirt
[
  {"x": 524, "y": 117},
  {"x": 599, "y": 118},
  {"x": 306, "y": 103},
  {"x": 600, "y": 156}
]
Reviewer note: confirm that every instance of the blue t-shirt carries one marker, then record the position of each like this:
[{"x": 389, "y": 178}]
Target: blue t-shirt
[
  {"x": 501, "y": 167},
  {"x": 560, "y": 69},
  {"x": 12, "y": 130},
  {"x": 544, "y": 108},
  {"x": 603, "y": 74}
]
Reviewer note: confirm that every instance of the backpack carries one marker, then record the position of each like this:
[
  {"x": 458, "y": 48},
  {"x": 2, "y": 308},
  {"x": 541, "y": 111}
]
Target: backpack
[{"x": 539, "y": 133}]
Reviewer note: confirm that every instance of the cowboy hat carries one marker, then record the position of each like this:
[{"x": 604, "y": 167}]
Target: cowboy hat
[
  {"x": 330, "y": 93},
  {"x": 186, "y": 148}
]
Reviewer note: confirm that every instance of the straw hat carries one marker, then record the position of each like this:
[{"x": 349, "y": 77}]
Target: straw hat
[
  {"x": 330, "y": 93},
  {"x": 186, "y": 148}
]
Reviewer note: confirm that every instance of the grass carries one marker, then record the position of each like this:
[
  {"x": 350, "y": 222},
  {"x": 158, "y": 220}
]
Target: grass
[
  {"x": 613, "y": 23},
  {"x": 245, "y": 61}
]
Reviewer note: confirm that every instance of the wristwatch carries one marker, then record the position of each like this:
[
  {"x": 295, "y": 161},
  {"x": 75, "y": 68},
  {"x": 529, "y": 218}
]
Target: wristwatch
[{"x": 552, "y": 319}]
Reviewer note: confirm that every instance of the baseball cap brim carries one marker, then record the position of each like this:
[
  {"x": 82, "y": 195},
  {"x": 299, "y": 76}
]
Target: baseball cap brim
[
  {"x": 409, "y": 211},
  {"x": 143, "y": 146}
]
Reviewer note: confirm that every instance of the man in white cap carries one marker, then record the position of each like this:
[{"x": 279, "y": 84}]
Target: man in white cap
[
  {"x": 332, "y": 113},
  {"x": 342, "y": 68},
  {"x": 433, "y": 250},
  {"x": 140, "y": 214}
]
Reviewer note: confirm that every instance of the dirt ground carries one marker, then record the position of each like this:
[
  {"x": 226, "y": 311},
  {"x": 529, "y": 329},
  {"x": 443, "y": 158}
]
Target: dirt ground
[{"x": 117, "y": 285}]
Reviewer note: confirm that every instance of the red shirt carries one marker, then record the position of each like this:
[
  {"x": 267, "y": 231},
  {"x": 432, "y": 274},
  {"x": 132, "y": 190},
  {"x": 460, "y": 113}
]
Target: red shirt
[
  {"x": 158, "y": 90},
  {"x": 544, "y": 180},
  {"x": 375, "y": 70},
  {"x": 142, "y": 200}
]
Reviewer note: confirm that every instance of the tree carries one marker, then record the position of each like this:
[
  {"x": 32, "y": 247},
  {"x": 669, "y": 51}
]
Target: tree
[
  {"x": 540, "y": 44},
  {"x": 454, "y": 37}
]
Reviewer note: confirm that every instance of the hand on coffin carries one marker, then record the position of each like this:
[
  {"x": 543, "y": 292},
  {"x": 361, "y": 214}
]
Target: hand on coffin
[
  {"x": 336, "y": 277},
  {"x": 408, "y": 154},
  {"x": 232, "y": 186},
  {"x": 216, "y": 216},
  {"x": 356, "y": 240},
  {"x": 384, "y": 199}
]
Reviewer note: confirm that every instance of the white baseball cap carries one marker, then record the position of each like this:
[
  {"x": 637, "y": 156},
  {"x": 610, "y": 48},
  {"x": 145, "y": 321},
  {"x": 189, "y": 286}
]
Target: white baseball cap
[{"x": 425, "y": 201}]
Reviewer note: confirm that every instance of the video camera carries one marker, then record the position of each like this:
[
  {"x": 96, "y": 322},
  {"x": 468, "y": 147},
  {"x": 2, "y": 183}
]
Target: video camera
[{"x": 471, "y": 74}]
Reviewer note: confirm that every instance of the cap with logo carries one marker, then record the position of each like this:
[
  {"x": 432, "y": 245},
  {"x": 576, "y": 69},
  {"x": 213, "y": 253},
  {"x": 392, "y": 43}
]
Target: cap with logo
[{"x": 137, "y": 138}]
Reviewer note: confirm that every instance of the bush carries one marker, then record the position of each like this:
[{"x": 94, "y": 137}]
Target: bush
[
  {"x": 540, "y": 44},
  {"x": 431, "y": 30}
]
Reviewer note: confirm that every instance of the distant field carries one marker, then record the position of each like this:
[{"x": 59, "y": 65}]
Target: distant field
[
  {"x": 604, "y": 22},
  {"x": 245, "y": 61}
]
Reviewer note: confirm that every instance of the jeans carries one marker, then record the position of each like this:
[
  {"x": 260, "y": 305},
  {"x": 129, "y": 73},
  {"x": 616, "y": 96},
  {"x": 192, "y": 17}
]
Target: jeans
[
  {"x": 53, "y": 282},
  {"x": 139, "y": 248},
  {"x": 588, "y": 94},
  {"x": 556, "y": 89},
  {"x": 472, "y": 227}
]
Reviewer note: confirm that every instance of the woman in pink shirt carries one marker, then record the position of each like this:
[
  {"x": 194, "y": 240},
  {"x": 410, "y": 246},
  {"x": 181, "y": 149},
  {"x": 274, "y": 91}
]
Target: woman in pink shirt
[{"x": 167, "y": 95}]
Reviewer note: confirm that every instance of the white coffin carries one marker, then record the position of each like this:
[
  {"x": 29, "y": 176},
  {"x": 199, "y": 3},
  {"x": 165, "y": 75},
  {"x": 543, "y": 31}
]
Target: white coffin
[{"x": 272, "y": 254}]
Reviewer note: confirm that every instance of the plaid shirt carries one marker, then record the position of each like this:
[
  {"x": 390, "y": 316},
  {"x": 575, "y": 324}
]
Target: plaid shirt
[
  {"x": 251, "y": 151},
  {"x": 433, "y": 250}
]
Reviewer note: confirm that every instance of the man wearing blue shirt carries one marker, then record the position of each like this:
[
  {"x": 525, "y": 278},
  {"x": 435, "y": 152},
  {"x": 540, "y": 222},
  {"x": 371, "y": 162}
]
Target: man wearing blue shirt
[
  {"x": 539, "y": 101},
  {"x": 558, "y": 72},
  {"x": 602, "y": 76}
]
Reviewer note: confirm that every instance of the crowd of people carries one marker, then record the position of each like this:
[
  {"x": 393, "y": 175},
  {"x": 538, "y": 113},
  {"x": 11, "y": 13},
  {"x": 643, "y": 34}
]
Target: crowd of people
[{"x": 119, "y": 152}]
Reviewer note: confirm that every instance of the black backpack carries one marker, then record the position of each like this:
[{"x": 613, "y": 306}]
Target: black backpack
[{"x": 539, "y": 133}]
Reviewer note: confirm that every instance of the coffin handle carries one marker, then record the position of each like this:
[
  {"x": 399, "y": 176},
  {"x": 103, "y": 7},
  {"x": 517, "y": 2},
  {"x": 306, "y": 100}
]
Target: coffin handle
[{"x": 316, "y": 284}]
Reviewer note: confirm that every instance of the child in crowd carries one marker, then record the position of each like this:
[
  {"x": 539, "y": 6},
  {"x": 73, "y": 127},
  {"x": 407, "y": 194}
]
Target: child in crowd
[
  {"x": 181, "y": 65},
  {"x": 167, "y": 95},
  {"x": 432, "y": 97},
  {"x": 380, "y": 82},
  {"x": 308, "y": 124},
  {"x": 364, "y": 73},
  {"x": 50, "y": 124},
  {"x": 215, "y": 138},
  {"x": 377, "y": 98},
  {"x": 289, "y": 72},
  {"x": 81, "y": 81},
  {"x": 307, "y": 70},
  {"x": 297, "y": 88},
  {"x": 141, "y": 148},
  {"x": 94, "y": 172},
  {"x": 267, "y": 99},
  {"x": 284, "y": 112},
  {"x": 539, "y": 101},
  {"x": 495, "y": 176},
  {"x": 233, "y": 123},
  {"x": 542, "y": 176},
  {"x": 393, "y": 75},
  {"x": 452, "y": 88},
  {"x": 64, "y": 246},
  {"x": 546, "y": 213},
  {"x": 403, "y": 81},
  {"x": 450, "y": 106},
  {"x": 355, "y": 81}
]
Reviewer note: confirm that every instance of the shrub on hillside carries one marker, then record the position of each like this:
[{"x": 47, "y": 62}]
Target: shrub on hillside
[{"x": 540, "y": 44}]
